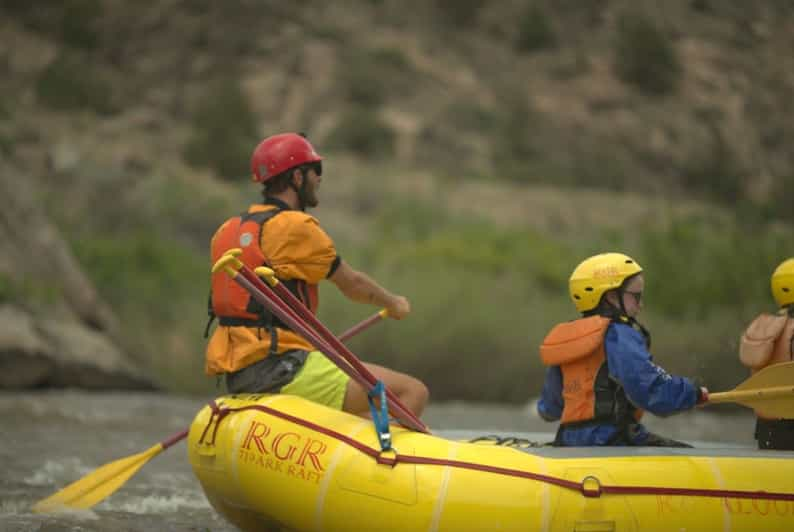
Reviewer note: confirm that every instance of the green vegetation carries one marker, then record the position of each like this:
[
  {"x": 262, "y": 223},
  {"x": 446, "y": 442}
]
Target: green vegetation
[
  {"x": 28, "y": 293},
  {"x": 779, "y": 204},
  {"x": 70, "y": 82},
  {"x": 6, "y": 144},
  {"x": 75, "y": 23},
  {"x": 368, "y": 77},
  {"x": 160, "y": 296},
  {"x": 514, "y": 152},
  {"x": 363, "y": 132},
  {"x": 712, "y": 266},
  {"x": 471, "y": 116},
  {"x": 7, "y": 289},
  {"x": 716, "y": 171},
  {"x": 644, "y": 55},
  {"x": 483, "y": 294},
  {"x": 535, "y": 31},
  {"x": 79, "y": 25},
  {"x": 224, "y": 130},
  {"x": 459, "y": 14}
]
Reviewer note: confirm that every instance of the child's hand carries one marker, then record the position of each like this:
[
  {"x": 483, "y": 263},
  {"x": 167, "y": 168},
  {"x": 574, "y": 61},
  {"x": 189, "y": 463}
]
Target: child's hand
[{"x": 703, "y": 396}]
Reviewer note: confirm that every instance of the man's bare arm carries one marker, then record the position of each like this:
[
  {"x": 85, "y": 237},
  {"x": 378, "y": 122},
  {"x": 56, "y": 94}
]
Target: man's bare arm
[{"x": 361, "y": 288}]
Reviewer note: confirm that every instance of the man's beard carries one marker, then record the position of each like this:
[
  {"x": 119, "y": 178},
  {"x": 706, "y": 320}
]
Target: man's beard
[{"x": 310, "y": 196}]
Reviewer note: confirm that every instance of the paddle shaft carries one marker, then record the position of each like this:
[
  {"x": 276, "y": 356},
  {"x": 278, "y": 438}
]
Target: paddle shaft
[
  {"x": 287, "y": 299},
  {"x": 355, "y": 329},
  {"x": 179, "y": 436},
  {"x": 289, "y": 317},
  {"x": 759, "y": 394},
  {"x": 348, "y": 362}
]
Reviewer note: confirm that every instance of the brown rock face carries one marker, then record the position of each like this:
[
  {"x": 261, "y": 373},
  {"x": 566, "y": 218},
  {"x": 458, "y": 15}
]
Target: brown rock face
[{"x": 69, "y": 341}]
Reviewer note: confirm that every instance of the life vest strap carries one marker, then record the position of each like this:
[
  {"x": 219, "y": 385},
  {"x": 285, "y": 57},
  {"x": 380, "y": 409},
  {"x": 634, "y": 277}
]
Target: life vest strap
[
  {"x": 210, "y": 319},
  {"x": 266, "y": 322},
  {"x": 230, "y": 321},
  {"x": 592, "y": 422}
]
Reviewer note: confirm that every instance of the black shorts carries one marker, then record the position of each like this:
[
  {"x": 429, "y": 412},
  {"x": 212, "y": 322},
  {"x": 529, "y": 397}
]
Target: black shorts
[{"x": 267, "y": 375}]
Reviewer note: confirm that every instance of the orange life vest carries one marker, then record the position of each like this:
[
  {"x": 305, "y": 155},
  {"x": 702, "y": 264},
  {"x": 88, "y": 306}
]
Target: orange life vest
[
  {"x": 768, "y": 340},
  {"x": 590, "y": 396},
  {"x": 299, "y": 252},
  {"x": 230, "y": 302}
]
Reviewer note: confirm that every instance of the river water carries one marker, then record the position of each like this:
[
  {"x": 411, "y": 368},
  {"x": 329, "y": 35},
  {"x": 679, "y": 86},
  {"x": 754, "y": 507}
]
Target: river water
[{"x": 49, "y": 439}]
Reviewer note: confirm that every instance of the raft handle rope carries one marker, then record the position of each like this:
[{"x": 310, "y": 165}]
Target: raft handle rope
[
  {"x": 380, "y": 418},
  {"x": 510, "y": 441},
  {"x": 218, "y": 413}
]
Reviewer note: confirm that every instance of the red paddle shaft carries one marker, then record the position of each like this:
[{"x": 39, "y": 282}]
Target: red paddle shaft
[{"x": 322, "y": 339}]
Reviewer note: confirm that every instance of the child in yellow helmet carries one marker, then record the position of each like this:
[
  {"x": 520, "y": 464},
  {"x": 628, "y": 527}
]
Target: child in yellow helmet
[
  {"x": 600, "y": 375},
  {"x": 769, "y": 340}
]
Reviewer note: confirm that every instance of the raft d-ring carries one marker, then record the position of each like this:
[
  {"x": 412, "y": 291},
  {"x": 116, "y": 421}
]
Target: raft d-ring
[{"x": 591, "y": 487}]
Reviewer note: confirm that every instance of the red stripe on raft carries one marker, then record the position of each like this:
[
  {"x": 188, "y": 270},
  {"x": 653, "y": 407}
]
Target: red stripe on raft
[{"x": 560, "y": 482}]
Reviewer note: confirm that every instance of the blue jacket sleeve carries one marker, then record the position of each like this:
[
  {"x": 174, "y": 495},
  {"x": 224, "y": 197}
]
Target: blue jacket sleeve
[
  {"x": 551, "y": 403},
  {"x": 647, "y": 385}
]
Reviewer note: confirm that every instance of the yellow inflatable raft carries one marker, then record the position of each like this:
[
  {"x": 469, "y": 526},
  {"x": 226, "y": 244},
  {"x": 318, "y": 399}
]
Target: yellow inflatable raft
[{"x": 278, "y": 462}]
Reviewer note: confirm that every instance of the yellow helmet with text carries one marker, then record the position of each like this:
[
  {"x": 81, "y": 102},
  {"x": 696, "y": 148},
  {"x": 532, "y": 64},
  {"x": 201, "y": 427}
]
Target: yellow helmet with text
[
  {"x": 598, "y": 274},
  {"x": 783, "y": 283}
]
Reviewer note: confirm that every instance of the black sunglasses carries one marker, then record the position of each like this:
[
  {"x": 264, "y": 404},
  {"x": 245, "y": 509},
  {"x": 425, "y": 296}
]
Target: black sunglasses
[{"x": 317, "y": 167}]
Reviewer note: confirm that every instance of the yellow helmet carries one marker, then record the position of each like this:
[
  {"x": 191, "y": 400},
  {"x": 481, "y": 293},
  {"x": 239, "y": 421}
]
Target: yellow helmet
[
  {"x": 783, "y": 283},
  {"x": 598, "y": 274}
]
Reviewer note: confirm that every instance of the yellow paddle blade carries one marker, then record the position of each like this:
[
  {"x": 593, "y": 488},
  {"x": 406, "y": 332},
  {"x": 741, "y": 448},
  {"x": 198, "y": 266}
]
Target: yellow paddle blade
[
  {"x": 771, "y": 391},
  {"x": 97, "y": 485}
]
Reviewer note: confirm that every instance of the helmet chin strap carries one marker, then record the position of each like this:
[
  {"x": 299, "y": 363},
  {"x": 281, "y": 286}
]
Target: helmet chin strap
[{"x": 619, "y": 312}]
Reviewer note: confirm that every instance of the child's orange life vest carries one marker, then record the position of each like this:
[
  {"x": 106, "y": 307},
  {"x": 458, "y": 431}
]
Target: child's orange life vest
[{"x": 590, "y": 396}]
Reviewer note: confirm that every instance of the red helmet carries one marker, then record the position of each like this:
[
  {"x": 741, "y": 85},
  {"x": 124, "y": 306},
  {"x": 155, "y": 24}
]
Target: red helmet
[{"x": 279, "y": 153}]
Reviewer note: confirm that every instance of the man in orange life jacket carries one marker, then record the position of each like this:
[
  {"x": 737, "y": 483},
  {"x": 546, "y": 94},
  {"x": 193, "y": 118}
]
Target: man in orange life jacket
[
  {"x": 769, "y": 340},
  {"x": 256, "y": 351},
  {"x": 600, "y": 375}
]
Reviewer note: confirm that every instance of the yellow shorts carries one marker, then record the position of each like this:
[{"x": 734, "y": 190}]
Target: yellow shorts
[{"x": 319, "y": 380}]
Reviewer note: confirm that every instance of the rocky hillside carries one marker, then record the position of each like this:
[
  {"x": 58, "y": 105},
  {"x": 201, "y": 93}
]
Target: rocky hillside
[
  {"x": 686, "y": 96},
  {"x": 117, "y": 117}
]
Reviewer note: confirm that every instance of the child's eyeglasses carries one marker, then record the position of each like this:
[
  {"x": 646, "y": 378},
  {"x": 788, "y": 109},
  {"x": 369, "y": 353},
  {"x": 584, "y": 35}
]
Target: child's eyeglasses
[{"x": 636, "y": 295}]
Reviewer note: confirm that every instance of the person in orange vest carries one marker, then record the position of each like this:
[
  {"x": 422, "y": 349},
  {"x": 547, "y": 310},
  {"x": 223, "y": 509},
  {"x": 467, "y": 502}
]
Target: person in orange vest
[
  {"x": 768, "y": 340},
  {"x": 600, "y": 376},
  {"x": 251, "y": 347}
]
